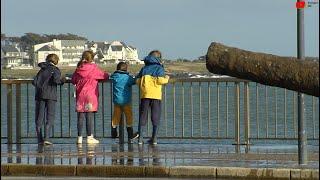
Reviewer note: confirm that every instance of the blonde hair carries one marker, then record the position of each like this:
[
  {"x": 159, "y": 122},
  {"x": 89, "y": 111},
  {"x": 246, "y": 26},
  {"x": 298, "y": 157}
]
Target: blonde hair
[
  {"x": 53, "y": 58},
  {"x": 87, "y": 57}
]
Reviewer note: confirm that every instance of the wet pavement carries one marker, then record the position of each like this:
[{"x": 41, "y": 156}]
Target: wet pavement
[
  {"x": 95, "y": 178},
  {"x": 164, "y": 154}
]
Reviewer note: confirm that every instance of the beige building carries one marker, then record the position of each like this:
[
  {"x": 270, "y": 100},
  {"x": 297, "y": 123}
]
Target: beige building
[{"x": 43, "y": 52}]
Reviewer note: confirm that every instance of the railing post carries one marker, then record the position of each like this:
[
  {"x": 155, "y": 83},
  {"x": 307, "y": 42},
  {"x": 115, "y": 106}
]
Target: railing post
[
  {"x": 183, "y": 110},
  {"x": 174, "y": 110},
  {"x": 237, "y": 114},
  {"x": 121, "y": 158},
  {"x": 9, "y": 113},
  {"x": 69, "y": 108},
  {"x": 9, "y": 159},
  {"x": 18, "y": 158},
  {"x": 102, "y": 103},
  {"x": 302, "y": 137},
  {"x": 18, "y": 113},
  {"x": 121, "y": 129},
  {"x": 247, "y": 113},
  {"x": 111, "y": 102}
]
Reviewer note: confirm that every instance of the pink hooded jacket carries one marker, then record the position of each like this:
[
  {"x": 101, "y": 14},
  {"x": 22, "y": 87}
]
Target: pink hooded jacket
[{"x": 85, "y": 78}]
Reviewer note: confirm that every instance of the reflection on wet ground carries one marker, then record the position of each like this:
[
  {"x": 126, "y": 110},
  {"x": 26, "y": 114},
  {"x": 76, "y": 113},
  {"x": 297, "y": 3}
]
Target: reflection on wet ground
[
  {"x": 104, "y": 178},
  {"x": 159, "y": 155}
]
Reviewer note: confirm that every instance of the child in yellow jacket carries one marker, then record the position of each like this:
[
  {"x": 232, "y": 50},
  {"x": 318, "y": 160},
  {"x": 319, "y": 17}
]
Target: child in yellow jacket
[{"x": 150, "y": 80}]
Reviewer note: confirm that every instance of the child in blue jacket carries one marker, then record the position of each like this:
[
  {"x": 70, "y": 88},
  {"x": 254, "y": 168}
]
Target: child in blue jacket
[{"x": 122, "y": 87}]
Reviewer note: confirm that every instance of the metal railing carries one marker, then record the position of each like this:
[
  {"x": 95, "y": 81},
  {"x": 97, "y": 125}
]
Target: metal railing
[{"x": 193, "y": 108}]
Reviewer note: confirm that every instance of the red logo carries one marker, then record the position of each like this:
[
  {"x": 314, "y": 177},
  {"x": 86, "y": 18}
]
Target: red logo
[{"x": 300, "y": 4}]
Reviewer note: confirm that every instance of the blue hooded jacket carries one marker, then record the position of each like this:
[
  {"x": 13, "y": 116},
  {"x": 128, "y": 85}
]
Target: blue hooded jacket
[
  {"x": 152, "y": 67},
  {"x": 122, "y": 86}
]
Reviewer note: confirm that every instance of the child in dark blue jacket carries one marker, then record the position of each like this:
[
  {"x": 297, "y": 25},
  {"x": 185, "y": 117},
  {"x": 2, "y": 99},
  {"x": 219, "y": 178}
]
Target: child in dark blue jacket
[
  {"x": 45, "y": 83},
  {"x": 122, "y": 83}
]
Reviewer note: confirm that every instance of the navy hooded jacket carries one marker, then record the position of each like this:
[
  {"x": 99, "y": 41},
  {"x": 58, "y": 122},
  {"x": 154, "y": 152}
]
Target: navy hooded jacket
[{"x": 46, "y": 81}]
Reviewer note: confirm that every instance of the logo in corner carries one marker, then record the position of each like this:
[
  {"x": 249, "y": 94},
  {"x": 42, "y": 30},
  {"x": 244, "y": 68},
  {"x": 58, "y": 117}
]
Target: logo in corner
[
  {"x": 300, "y": 4},
  {"x": 306, "y": 4}
]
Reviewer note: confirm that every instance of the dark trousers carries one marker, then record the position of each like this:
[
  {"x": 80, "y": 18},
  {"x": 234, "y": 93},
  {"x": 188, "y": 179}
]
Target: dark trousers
[
  {"x": 89, "y": 119},
  {"x": 155, "y": 106},
  {"x": 45, "y": 112}
]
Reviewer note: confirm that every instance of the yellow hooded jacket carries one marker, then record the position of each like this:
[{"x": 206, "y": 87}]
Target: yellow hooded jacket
[{"x": 151, "y": 78}]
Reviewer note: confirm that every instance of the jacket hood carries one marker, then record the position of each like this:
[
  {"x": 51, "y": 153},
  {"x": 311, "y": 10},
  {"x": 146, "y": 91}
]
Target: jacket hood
[
  {"x": 86, "y": 69},
  {"x": 44, "y": 65},
  {"x": 151, "y": 60}
]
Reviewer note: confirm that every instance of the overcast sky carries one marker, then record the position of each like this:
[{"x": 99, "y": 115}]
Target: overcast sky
[{"x": 179, "y": 28}]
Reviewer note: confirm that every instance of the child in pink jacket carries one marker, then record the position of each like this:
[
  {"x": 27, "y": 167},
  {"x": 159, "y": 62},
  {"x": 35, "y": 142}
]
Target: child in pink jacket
[{"x": 85, "y": 78}]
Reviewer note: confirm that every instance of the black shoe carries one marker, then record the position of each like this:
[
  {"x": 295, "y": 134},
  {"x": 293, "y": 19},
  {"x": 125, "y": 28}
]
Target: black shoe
[
  {"x": 152, "y": 141},
  {"x": 114, "y": 133}
]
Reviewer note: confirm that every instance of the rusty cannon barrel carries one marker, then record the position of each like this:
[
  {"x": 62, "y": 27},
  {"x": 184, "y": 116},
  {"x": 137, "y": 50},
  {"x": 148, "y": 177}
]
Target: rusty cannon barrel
[{"x": 286, "y": 72}]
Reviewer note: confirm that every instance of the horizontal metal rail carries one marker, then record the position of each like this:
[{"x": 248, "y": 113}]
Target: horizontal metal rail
[{"x": 224, "y": 79}]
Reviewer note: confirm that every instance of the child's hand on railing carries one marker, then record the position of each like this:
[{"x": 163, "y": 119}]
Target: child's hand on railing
[
  {"x": 63, "y": 79},
  {"x": 167, "y": 77}
]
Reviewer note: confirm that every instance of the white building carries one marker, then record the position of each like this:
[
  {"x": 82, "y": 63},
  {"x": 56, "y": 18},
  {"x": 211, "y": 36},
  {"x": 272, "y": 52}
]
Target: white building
[
  {"x": 69, "y": 51},
  {"x": 10, "y": 56},
  {"x": 115, "y": 52}
]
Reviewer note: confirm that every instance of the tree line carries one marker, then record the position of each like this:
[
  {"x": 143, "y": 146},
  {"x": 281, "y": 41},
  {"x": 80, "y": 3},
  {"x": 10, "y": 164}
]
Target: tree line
[{"x": 29, "y": 39}]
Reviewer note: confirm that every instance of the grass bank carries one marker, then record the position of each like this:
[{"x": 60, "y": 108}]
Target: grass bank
[{"x": 175, "y": 67}]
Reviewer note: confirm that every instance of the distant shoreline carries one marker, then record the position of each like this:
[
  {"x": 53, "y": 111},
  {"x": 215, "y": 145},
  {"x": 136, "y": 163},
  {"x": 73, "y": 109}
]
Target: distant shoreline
[{"x": 176, "y": 69}]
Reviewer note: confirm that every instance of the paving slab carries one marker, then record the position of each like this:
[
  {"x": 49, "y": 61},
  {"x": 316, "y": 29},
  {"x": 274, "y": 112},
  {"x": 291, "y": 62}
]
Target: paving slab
[{"x": 257, "y": 156}]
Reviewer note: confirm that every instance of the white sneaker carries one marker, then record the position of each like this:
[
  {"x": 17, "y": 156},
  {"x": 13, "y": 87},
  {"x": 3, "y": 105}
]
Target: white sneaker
[
  {"x": 140, "y": 142},
  {"x": 79, "y": 140},
  {"x": 47, "y": 143},
  {"x": 91, "y": 140}
]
